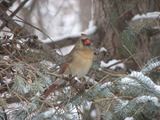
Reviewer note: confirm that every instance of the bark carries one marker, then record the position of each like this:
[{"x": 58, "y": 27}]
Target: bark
[
  {"x": 5, "y": 5},
  {"x": 12, "y": 25},
  {"x": 110, "y": 27},
  {"x": 85, "y": 13}
]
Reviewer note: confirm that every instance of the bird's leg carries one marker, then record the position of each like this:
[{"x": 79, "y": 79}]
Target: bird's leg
[
  {"x": 68, "y": 79},
  {"x": 81, "y": 79},
  {"x": 76, "y": 84},
  {"x": 72, "y": 79}
]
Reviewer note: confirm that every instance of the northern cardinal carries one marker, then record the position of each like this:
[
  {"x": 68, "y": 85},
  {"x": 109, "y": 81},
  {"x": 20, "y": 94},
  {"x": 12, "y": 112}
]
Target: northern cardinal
[{"x": 77, "y": 64}]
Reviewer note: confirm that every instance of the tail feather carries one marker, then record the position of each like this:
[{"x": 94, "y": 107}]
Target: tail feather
[
  {"x": 55, "y": 85},
  {"x": 50, "y": 89}
]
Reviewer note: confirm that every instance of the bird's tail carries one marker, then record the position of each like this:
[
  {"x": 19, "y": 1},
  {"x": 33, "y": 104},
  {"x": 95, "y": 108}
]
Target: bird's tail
[
  {"x": 49, "y": 90},
  {"x": 56, "y": 84}
]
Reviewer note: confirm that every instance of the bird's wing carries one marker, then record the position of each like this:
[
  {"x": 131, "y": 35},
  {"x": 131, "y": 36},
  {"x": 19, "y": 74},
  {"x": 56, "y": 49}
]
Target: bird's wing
[
  {"x": 66, "y": 63},
  {"x": 59, "y": 81}
]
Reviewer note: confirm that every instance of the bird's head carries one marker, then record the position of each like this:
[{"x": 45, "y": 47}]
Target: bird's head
[{"x": 84, "y": 41}]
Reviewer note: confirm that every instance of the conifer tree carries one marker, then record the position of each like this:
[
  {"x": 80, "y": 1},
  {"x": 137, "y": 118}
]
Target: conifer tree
[{"x": 126, "y": 90}]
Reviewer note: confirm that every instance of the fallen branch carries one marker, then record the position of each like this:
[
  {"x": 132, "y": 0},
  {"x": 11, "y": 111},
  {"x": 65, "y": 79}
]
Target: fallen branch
[
  {"x": 13, "y": 25},
  {"x": 6, "y": 4},
  {"x": 15, "y": 12}
]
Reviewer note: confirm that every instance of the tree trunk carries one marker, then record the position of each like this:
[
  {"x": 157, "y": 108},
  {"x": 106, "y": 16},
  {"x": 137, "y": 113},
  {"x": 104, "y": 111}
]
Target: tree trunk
[{"x": 113, "y": 18}]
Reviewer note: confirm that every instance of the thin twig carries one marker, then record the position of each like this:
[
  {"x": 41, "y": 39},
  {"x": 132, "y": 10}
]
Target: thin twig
[
  {"x": 12, "y": 25},
  {"x": 113, "y": 74},
  {"x": 98, "y": 82},
  {"x": 5, "y": 115},
  {"x": 131, "y": 54},
  {"x": 19, "y": 8},
  {"x": 15, "y": 12}
]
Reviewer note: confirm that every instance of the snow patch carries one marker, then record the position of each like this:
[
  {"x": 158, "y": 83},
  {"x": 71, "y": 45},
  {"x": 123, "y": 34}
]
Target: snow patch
[
  {"x": 100, "y": 69},
  {"x": 59, "y": 38},
  {"x": 6, "y": 95},
  {"x": 103, "y": 64},
  {"x": 22, "y": 40},
  {"x": 103, "y": 49},
  {"x": 126, "y": 80},
  {"x": 129, "y": 81},
  {"x": 144, "y": 99},
  {"x": 6, "y": 57},
  {"x": 91, "y": 23},
  {"x": 48, "y": 113},
  {"x": 26, "y": 90},
  {"x": 48, "y": 64},
  {"x": 121, "y": 104},
  {"x": 107, "y": 84},
  {"x": 91, "y": 29},
  {"x": 38, "y": 94},
  {"x": 6, "y": 80},
  {"x": 142, "y": 79},
  {"x": 150, "y": 66},
  {"x": 157, "y": 88},
  {"x": 18, "y": 46},
  {"x": 129, "y": 118},
  {"x": 90, "y": 80},
  {"x": 93, "y": 113},
  {"x": 147, "y": 15},
  {"x": 65, "y": 50}
]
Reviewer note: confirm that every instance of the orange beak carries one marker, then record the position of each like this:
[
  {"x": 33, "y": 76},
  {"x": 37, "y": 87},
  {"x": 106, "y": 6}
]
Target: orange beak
[{"x": 87, "y": 42}]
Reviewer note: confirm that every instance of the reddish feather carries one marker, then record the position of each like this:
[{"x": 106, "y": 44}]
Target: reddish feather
[
  {"x": 51, "y": 88},
  {"x": 63, "y": 68},
  {"x": 54, "y": 86}
]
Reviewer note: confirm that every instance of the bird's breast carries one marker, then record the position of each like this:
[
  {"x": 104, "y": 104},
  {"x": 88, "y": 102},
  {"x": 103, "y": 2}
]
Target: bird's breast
[{"x": 82, "y": 63}]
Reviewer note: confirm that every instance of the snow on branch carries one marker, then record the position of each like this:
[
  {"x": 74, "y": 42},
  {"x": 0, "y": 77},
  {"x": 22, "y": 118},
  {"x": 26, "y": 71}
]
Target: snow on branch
[
  {"x": 146, "y": 81},
  {"x": 70, "y": 38},
  {"x": 91, "y": 29},
  {"x": 144, "y": 99},
  {"x": 150, "y": 66},
  {"x": 112, "y": 64},
  {"x": 146, "y": 16},
  {"x": 129, "y": 118}
]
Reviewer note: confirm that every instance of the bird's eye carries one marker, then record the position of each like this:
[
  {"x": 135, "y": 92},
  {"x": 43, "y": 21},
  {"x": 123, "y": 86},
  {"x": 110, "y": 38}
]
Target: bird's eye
[{"x": 83, "y": 40}]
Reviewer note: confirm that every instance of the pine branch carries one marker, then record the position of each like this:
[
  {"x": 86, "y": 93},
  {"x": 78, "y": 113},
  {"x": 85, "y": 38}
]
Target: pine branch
[
  {"x": 19, "y": 8},
  {"x": 147, "y": 82}
]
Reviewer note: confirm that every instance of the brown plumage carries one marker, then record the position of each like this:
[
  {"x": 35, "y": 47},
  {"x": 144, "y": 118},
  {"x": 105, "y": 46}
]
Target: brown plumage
[{"x": 78, "y": 62}]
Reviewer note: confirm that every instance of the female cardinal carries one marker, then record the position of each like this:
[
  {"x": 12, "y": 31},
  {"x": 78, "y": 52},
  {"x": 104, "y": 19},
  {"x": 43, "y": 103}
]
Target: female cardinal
[{"x": 77, "y": 64}]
